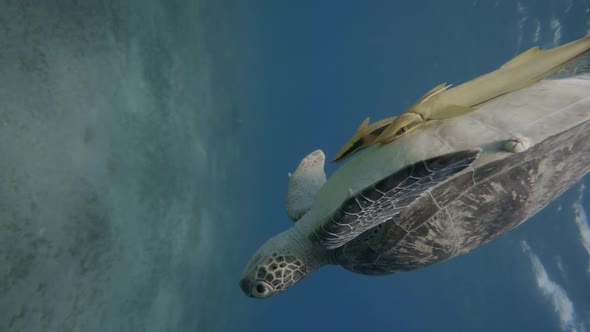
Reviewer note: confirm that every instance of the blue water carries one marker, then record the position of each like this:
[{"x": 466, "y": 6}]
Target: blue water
[
  {"x": 328, "y": 66},
  {"x": 145, "y": 146}
]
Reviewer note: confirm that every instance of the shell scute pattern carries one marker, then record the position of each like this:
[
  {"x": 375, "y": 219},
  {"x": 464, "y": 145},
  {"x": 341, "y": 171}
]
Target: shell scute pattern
[
  {"x": 443, "y": 195},
  {"x": 371, "y": 194},
  {"x": 397, "y": 179},
  {"x": 351, "y": 206},
  {"x": 363, "y": 201}
]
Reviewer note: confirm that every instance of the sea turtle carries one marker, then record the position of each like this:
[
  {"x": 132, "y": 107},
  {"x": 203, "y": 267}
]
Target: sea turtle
[{"x": 435, "y": 193}]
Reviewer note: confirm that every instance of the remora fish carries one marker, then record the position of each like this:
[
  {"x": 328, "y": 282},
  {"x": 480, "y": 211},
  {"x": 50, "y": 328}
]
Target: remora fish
[{"x": 442, "y": 102}]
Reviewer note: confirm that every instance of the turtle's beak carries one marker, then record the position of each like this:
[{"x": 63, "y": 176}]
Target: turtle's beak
[
  {"x": 247, "y": 278},
  {"x": 246, "y": 286}
]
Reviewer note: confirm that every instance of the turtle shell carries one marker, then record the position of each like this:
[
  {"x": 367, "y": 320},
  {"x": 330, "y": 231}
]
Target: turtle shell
[{"x": 471, "y": 208}]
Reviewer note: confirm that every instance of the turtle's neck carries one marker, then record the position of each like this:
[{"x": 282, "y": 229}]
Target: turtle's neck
[{"x": 314, "y": 254}]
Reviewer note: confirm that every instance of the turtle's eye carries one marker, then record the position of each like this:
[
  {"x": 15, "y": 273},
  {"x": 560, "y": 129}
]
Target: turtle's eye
[
  {"x": 260, "y": 289},
  {"x": 402, "y": 130}
]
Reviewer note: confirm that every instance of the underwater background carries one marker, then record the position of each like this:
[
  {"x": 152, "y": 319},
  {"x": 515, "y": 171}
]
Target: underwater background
[{"x": 145, "y": 146}]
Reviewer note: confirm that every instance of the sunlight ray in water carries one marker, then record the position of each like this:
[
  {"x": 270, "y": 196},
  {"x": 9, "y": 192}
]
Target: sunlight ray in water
[
  {"x": 556, "y": 29},
  {"x": 562, "y": 305},
  {"x": 537, "y": 32},
  {"x": 581, "y": 219},
  {"x": 523, "y": 16}
]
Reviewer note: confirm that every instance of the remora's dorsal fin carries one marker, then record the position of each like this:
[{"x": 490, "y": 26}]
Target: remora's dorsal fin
[
  {"x": 522, "y": 57},
  {"x": 433, "y": 92},
  {"x": 363, "y": 125},
  {"x": 304, "y": 184}
]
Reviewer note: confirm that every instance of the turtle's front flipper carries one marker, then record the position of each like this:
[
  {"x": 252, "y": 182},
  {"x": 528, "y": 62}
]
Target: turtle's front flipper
[
  {"x": 386, "y": 198},
  {"x": 304, "y": 184}
]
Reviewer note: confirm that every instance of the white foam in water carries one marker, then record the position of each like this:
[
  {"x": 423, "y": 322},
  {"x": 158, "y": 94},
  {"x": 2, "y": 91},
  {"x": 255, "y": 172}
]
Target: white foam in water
[
  {"x": 562, "y": 304},
  {"x": 569, "y": 5},
  {"x": 556, "y": 28},
  {"x": 537, "y": 32},
  {"x": 559, "y": 265},
  {"x": 581, "y": 220},
  {"x": 523, "y": 15}
]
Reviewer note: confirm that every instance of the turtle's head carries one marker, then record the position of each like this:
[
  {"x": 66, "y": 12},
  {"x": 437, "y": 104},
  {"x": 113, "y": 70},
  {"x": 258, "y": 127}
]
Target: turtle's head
[{"x": 275, "y": 267}]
